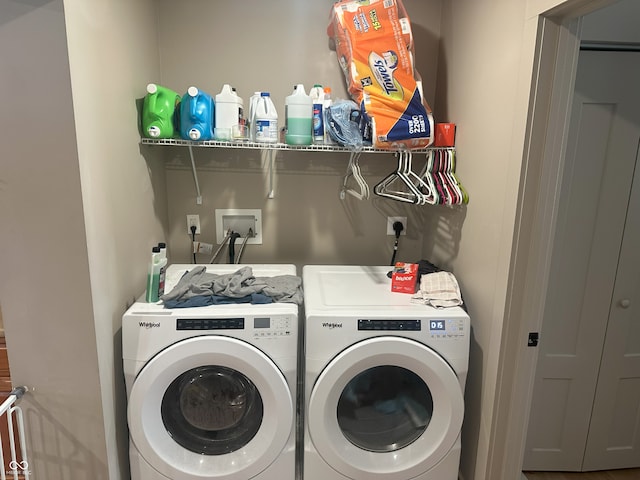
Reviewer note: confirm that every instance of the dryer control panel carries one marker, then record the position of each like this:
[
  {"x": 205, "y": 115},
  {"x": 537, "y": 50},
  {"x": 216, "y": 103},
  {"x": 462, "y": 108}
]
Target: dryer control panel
[
  {"x": 390, "y": 325},
  {"x": 446, "y": 328}
]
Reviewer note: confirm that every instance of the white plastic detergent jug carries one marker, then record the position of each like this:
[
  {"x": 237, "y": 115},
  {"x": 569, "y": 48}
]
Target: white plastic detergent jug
[
  {"x": 253, "y": 101},
  {"x": 317, "y": 99},
  {"x": 266, "y": 119},
  {"x": 298, "y": 117},
  {"x": 227, "y": 113}
]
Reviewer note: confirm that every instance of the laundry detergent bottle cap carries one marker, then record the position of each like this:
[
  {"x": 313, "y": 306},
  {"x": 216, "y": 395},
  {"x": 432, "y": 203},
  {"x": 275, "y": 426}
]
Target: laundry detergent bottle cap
[
  {"x": 159, "y": 109},
  {"x": 196, "y": 115},
  {"x": 298, "y": 117}
]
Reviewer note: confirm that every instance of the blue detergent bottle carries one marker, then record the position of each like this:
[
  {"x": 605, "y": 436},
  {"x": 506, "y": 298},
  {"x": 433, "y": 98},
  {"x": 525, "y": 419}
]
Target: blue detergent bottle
[{"x": 196, "y": 115}]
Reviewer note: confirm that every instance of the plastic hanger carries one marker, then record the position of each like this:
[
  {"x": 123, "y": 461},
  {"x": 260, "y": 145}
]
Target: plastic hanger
[
  {"x": 413, "y": 186},
  {"x": 353, "y": 170}
]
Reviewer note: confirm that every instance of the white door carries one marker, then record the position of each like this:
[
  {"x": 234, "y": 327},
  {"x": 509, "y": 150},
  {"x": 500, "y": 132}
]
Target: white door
[
  {"x": 210, "y": 407},
  {"x": 385, "y": 408},
  {"x": 585, "y": 407}
]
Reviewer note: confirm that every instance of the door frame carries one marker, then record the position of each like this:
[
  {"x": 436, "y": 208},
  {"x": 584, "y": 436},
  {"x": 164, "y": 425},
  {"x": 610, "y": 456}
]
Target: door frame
[{"x": 557, "y": 48}]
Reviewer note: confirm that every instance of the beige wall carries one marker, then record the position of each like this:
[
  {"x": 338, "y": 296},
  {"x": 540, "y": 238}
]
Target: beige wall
[
  {"x": 111, "y": 59},
  {"x": 45, "y": 288},
  {"x": 100, "y": 204},
  {"x": 482, "y": 50},
  {"x": 306, "y": 222}
]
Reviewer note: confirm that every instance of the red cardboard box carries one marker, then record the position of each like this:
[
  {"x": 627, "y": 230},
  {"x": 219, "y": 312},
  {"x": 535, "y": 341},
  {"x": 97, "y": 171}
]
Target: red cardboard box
[
  {"x": 404, "y": 277},
  {"x": 445, "y": 135}
]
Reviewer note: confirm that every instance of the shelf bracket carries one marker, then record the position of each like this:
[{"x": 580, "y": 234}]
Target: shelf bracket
[
  {"x": 269, "y": 156},
  {"x": 195, "y": 177}
]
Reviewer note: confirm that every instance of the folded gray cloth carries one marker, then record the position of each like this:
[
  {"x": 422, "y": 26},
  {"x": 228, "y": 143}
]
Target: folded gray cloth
[{"x": 241, "y": 283}]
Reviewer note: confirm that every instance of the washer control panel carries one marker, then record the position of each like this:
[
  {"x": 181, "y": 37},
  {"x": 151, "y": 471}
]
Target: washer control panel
[
  {"x": 236, "y": 323},
  {"x": 262, "y": 327},
  {"x": 271, "y": 327}
]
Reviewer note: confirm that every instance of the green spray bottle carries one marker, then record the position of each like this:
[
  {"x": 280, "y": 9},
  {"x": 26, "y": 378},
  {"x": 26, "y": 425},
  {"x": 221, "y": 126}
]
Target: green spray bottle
[{"x": 159, "y": 111}]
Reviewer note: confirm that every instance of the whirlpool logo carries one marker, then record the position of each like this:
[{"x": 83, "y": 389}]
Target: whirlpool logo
[
  {"x": 149, "y": 325},
  {"x": 331, "y": 325}
]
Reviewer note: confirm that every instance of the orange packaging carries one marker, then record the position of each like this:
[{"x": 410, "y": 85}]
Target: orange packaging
[
  {"x": 374, "y": 45},
  {"x": 404, "y": 277}
]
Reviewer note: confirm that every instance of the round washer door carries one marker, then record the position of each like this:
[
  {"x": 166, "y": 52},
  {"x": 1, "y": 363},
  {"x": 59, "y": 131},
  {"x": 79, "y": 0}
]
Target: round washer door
[
  {"x": 386, "y": 407},
  {"x": 210, "y": 407}
]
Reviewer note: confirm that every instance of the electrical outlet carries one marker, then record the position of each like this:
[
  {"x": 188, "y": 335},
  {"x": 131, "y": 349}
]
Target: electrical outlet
[
  {"x": 392, "y": 220},
  {"x": 193, "y": 220}
]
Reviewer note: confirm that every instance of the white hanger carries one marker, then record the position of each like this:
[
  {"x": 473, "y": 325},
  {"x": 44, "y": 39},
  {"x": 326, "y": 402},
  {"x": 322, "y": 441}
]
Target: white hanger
[
  {"x": 353, "y": 170},
  {"x": 415, "y": 190}
]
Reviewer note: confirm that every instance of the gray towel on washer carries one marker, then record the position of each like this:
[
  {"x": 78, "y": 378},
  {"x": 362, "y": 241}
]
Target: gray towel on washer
[{"x": 241, "y": 283}]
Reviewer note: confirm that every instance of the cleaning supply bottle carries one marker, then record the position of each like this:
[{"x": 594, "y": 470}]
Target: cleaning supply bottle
[
  {"x": 159, "y": 109},
  {"x": 163, "y": 268},
  {"x": 227, "y": 113},
  {"x": 317, "y": 99},
  {"x": 253, "y": 101},
  {"x": 196, "y": 115},
  {"x": 298, "y": 117},
  {"x": 153, "y": 276},
  {"x": 325, "y": 108},
  {"x": 266, "y": 120}
]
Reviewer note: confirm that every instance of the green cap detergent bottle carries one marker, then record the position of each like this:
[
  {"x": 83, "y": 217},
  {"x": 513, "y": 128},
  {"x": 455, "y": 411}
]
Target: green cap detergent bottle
[{"x": 159, "y": 111}]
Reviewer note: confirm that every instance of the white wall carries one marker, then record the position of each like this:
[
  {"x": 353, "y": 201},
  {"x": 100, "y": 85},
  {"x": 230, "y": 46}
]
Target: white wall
[{"x": 617, "y": 23}]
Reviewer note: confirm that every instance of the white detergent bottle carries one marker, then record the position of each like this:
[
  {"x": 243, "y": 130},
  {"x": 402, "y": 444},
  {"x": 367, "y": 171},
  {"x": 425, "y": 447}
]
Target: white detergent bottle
[
  {"x": 240, "y": 103},
  {"x": 317, "y": 99},
  {"x": 226, "y": 113},
  {"x": 253, "y": 101},
  {"x": 298, "y": 117},
  {"x": 266, "y": 119}
]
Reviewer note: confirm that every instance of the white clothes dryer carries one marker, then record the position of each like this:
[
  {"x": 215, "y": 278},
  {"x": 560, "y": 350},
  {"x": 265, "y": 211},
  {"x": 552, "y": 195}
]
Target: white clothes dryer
[
  {"x": 384, "y": 379},
  {"x": 212, "y": 390}
]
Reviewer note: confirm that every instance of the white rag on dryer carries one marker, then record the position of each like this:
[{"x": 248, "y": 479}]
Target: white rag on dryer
[{"x": 439, "y": 289}]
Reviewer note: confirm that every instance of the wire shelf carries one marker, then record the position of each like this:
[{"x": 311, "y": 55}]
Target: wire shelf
[{"x": 269, "y": 146}]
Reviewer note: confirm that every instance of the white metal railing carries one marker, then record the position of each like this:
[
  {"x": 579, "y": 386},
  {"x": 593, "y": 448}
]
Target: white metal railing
[{"x": 18, "y": 465}]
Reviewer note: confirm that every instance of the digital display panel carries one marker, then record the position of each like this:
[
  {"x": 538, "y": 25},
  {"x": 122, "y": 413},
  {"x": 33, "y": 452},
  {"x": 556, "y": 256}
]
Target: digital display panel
[
  {"x": 437, "y": 325},
  {"x": 261, "y": 322}
]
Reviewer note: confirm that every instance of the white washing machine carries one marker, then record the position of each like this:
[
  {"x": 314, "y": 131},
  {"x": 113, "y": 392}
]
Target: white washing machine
[
  {"x": 384, "y": 381},
  {"x": 212, "y": 390}
]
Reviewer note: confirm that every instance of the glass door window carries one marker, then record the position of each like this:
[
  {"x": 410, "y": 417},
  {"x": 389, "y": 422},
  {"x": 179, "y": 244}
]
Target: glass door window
[
  {"x": 384, "y": 408},
  {"x": 212, "y": 410}
]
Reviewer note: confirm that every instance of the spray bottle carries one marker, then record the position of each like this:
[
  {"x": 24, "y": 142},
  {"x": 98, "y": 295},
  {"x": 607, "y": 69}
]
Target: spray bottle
[
  {"x": 317, "y": 98},
  {"x": 153, "y": 276},
  {"x": 163, "y": 269}
]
